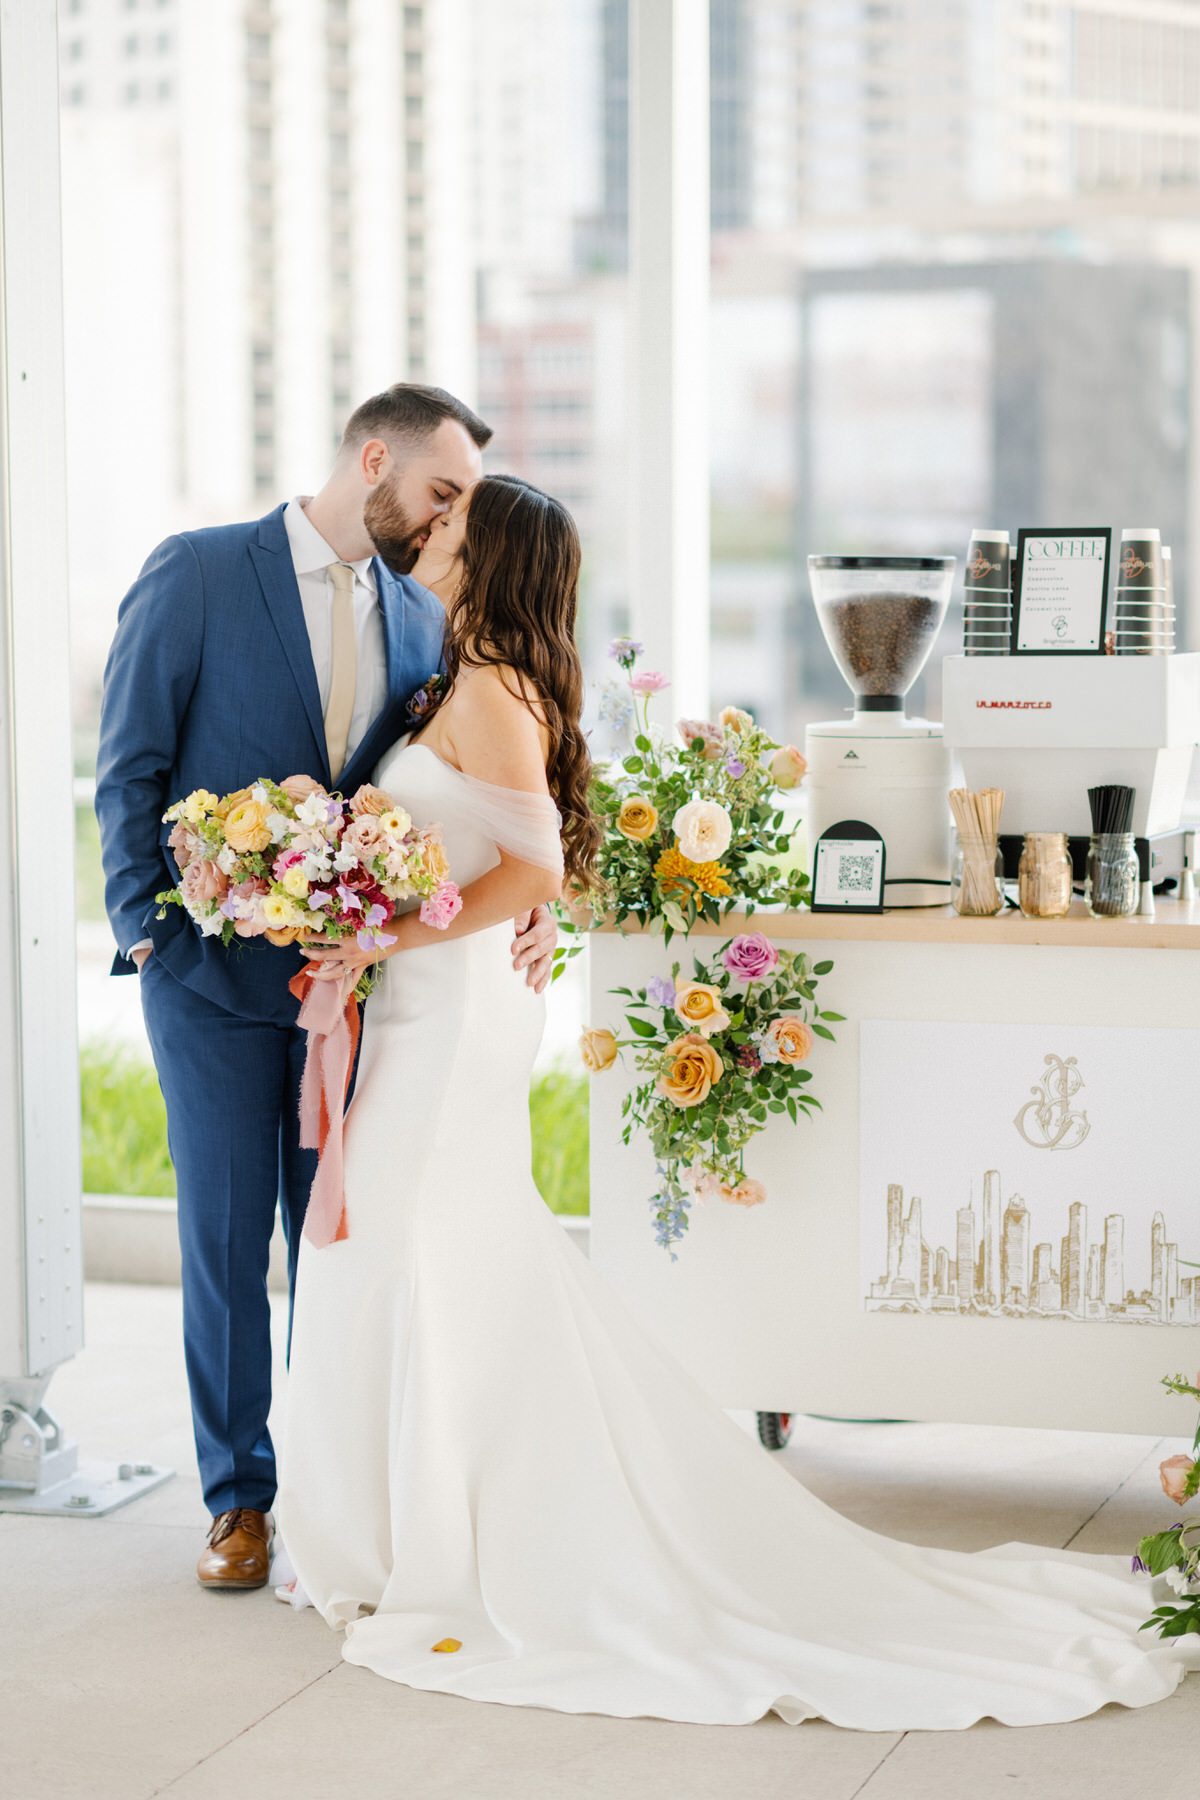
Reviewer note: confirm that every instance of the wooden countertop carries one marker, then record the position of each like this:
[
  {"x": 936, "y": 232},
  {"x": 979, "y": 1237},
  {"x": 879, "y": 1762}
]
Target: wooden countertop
[{"x": 1175, "y": 926}]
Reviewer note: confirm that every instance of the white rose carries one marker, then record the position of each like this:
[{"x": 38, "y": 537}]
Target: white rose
[{"x": 704, "y": 830}]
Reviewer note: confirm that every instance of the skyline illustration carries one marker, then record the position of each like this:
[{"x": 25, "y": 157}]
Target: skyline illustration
[{"x": 997, "y": 1269}]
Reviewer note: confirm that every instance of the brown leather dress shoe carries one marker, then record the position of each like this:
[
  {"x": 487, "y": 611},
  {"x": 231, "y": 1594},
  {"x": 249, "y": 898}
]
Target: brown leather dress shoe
[{"x": 238, "y": 1554}]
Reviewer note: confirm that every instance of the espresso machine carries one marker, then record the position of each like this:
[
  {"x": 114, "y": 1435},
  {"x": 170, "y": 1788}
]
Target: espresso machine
[{"x": 880, "y": 616}]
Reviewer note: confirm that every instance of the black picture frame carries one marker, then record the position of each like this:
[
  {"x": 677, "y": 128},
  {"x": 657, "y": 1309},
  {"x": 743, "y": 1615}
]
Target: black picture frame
[
  {"x": 1025, "y": 536},
  {"x": 837, "y": 840}
]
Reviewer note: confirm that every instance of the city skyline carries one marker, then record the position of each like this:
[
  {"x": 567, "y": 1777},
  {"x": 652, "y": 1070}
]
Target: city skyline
[{"x": 998, "y": 1269}]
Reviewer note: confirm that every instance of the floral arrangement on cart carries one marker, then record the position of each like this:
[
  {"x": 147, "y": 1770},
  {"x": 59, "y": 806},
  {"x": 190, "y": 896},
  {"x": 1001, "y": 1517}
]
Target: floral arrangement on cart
[
  {"x": 693, "y": 829},
  {"x": 1173, "y": 1555}
]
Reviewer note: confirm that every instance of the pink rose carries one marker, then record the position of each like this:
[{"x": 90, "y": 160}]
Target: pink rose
[
  {"x": 750, "y": 956},
  {"x": 712, "y": 736},
  {"x": 202, "y": 881},
  {"x": 1173, "y": 1474},
  {"x": 787, "y": 767},
  {"x": 299, "y": 787},
  {"x": 368, "y": 799},
  {"x": 183, "y": 844},
  {"x": 702, "y": 1184},
  {"x": 366, "y": 837},
  {"x": 649, "y": 682},
  {"x": 444, "y": 904},
  {"x": 746, "y": 1193}
]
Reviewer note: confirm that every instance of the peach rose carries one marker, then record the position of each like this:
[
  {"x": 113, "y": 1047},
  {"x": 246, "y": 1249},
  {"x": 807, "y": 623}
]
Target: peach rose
[
  {"x": 225, "y": 807},
  {"x": 435, "y": 858},
  {"x": 700, "y": 1006},
  {"x": 746, "y": 1193},
  {"x": 598, "y": 1049},
  {"x": 1173, "y": 1474},
  {"x": 733, "y": 718},
  {"x": 183, "y": 844},
  {"x": 692, "y": 1067},
  {"x": 787, "y": 767},
  {"x": 246, "y": 828},
  {"x": 637, "y": 818},
  {"x": 368, "y": 799},
  {"x": 202, "y": 881},
  {"x": 299, "y": 787},
  {"x": 790, "y": 1039},
  {"x": 283, "y": 938}
]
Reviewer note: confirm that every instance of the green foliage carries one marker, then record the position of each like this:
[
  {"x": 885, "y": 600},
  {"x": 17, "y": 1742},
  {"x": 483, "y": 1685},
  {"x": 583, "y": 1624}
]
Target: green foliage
[
  {"x": 1162, "y": 1552},
  {"x": 558, "y": 1113},
  {"x": 125, "y": 1130},
  {"x": 124, "y": 1124}
]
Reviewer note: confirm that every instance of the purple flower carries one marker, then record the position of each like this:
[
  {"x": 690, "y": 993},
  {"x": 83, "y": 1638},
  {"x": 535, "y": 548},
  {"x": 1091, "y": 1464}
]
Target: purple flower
[
  {"x": 625, "y": 650},
  {"x": 748, "y": 1059},
  {"x": 735, "y": 766},
  {"x": 1137, "y": 1566},
  {"x": 660, "y": 991},
  {"x": 349, "y": 899},
  {"x": 318, "y": 898},
  {"x": 750, "y": 956}
]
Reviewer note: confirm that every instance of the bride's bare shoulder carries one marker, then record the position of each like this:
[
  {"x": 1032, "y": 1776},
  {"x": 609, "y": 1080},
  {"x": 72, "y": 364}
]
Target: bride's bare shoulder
[{"x": 496, "y": 720}]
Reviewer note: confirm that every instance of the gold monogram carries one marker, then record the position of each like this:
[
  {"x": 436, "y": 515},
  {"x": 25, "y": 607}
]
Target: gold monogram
[{"x": 1046, "y": 1122}]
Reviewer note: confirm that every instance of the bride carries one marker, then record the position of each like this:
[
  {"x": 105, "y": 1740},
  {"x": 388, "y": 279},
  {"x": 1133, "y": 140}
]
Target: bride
[{"x": 495, "y": 1481}]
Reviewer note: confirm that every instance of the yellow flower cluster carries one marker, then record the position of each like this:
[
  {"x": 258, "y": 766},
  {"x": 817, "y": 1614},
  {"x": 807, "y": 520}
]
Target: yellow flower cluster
[{"x": 673, "y": 868}]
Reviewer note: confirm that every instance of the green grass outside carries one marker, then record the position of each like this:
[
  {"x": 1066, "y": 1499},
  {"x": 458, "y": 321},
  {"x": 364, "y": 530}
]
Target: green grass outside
[
  {"x": 89, "y": 877},
  {"x": 125, "y": 1130}
]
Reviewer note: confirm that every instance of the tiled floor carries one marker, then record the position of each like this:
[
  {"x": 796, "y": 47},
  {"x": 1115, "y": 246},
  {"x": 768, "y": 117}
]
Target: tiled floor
[{"x": 121, "y": 1679}]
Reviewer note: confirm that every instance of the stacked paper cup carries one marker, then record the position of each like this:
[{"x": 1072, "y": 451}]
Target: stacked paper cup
[
  {"x": 987, "y": 593},
  {"x": 1145, "y": 610}
]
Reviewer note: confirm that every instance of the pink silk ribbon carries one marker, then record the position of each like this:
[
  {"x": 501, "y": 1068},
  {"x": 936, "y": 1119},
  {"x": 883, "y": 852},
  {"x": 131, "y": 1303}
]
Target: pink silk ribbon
[{"x": 329, "y": 1014}]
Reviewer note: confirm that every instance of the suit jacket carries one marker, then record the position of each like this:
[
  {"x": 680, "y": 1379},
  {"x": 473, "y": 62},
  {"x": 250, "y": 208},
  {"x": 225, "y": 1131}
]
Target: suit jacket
[{"x": 210, "y": 684}]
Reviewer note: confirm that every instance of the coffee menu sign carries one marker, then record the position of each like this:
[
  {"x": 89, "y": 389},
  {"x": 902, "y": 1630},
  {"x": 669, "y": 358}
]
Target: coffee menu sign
[{"x": 1060, "y": 592}]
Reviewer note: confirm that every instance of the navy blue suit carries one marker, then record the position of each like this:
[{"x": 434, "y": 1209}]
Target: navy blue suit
[{"x": 210, "y": 684}]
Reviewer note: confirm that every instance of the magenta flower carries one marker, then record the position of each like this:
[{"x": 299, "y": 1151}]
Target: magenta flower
[
  {"x": 750, "y": 956},
  {"x": 648, "y": 682}
]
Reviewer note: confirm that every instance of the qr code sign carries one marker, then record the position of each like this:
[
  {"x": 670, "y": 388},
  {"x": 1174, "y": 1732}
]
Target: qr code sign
[{"x": 856, "y": 874}]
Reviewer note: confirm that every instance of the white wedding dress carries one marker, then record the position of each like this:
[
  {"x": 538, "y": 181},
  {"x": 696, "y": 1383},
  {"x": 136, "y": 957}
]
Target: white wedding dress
[{"x": 483, "y": 1444}]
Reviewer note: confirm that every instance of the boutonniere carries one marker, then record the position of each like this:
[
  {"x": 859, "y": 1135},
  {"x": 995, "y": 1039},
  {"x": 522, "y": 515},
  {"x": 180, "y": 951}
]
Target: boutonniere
[{"x": 425, "y": 696}]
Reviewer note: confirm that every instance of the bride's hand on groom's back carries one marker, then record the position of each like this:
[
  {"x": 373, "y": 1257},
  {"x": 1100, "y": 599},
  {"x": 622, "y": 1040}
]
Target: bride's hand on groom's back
[{"x": 533, "y": 946}]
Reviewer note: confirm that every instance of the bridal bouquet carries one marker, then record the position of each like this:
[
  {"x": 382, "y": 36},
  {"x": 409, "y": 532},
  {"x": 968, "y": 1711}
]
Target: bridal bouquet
[
  {"x": 692, "y": 824},
  {"x": 1174, "y": 1554},
  {"x": 717, "y": 1055},
  {"x": 286, "y": 860}
]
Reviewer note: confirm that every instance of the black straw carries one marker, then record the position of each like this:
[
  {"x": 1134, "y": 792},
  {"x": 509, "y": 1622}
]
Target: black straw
[{"x": 1112, "y": 808}]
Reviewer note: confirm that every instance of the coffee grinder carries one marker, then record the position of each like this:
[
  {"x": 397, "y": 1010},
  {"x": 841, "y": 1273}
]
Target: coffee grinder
[{"x": 880, "y": 616}]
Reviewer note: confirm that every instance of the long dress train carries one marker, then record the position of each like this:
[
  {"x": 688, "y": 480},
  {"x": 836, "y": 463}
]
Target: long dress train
[{"x": 484, "y": 1444}]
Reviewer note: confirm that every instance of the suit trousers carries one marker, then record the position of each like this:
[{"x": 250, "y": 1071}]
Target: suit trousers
[{"x": 232, "y": 1092}]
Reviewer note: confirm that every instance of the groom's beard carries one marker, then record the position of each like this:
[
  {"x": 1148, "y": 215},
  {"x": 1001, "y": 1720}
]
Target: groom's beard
[{"x": 395, "y": 535}]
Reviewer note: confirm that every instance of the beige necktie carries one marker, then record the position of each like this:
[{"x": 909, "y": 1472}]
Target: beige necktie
[{"x": 343, "y": 675}]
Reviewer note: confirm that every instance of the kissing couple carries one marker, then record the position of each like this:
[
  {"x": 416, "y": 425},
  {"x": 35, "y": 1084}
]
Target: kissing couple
[{"x": 493, "y": 1480}]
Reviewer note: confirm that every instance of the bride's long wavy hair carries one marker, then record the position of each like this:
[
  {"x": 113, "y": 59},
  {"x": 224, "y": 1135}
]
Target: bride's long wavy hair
[{"x": 516, "y": 607}]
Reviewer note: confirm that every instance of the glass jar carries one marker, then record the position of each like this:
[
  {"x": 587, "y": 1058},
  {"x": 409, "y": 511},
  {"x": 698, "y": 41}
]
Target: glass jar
[
  {"x": 1113, "y": 877},
  {"x": 1044, "y": 879},
  {"x": 976, "y": 876}
]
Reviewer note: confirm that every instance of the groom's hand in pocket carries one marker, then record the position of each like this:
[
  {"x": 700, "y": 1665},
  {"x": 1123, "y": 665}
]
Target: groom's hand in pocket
[{"x": 533, "y": 946}]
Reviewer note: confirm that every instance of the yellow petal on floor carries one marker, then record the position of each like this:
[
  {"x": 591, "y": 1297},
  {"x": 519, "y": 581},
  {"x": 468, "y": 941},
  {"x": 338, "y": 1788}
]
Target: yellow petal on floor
[{"x": 448, "y": 1645}]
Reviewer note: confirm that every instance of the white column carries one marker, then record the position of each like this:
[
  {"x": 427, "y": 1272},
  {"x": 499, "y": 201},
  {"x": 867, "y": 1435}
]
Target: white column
[
  {"x": 41, "y": 1316},
  {"x": 669, "y": 257}
]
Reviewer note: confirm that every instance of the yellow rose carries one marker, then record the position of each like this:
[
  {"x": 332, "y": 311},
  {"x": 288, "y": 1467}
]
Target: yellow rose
[
  {"x": 224, "y": 807},
  {"x": 790, "y": 1038},
  {"x": 295, "y": 882},
  {"x": 279, "y": 913},
  {"x": 285, "y": 937},
  {"x": 700, "y": 1006},
  {"x": 246, "y": 827},
  {"x": 734, "y": 719},
  {"x": 692, "y": 1065},
  {"x": 787, "y": 767},
  {"x": 637, "y": 818},
  {"x": 598, "y": 1049},
  {"x": 436, "y": 861}
]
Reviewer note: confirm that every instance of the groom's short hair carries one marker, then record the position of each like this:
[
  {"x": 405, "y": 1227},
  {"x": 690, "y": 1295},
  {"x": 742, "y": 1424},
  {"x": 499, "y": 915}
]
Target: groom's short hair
[{"x": 408, "y": 413}]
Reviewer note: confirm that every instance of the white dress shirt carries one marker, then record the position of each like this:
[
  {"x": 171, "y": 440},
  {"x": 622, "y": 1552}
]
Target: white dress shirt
[{"x": 311, "y": 557}]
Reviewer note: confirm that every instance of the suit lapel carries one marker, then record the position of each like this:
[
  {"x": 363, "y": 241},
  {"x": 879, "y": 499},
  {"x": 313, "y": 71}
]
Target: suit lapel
[{"x": 271, "y": 556}]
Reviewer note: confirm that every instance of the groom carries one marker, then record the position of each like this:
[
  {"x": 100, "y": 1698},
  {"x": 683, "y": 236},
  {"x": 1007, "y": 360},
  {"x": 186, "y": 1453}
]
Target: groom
[{"x": 292, "y": 645}]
